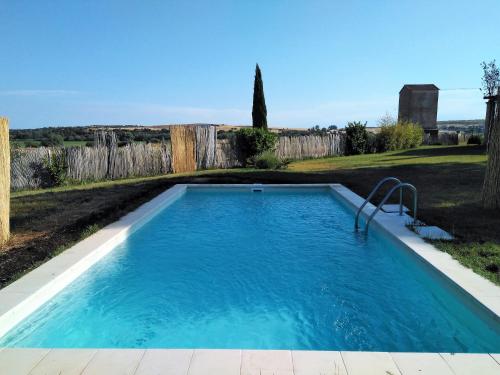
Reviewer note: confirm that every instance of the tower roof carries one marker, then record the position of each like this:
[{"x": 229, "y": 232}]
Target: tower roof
[{"x": 415, "y": 87}]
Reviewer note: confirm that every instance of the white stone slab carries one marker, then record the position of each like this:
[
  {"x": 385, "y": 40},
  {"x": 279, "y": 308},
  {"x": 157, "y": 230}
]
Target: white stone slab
[
  {"x": 465, "y": 363},
  {"x": 165, "y": 362},
  {"x": 390, "y": 208},
  {"x": 433, "y": 233},
  {"x": 64, "y": 362},
  {"x": 255, "y": 362},
  {"x": 114, "y": 362},
  {"x": 20, "y": 361},
  {"x": 220, "y": 362},
  {"x": 231, "y": 362},
  {"x": 421, "y": 363},
  {"x": 496, "y": 357},
  {"x": 318, "y": 362},
  {"x": 369, "y": 363}
]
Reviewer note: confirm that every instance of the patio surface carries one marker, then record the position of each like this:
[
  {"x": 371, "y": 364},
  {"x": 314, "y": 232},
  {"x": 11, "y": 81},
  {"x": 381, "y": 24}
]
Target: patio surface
[{"x": 239, "y": 362}]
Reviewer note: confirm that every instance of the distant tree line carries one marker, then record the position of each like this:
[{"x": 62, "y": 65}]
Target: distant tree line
[{"x": 52, "y": 136}]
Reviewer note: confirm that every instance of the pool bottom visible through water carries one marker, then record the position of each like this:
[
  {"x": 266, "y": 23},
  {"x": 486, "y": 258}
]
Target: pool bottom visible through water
[{"x": 279, "y": 269}]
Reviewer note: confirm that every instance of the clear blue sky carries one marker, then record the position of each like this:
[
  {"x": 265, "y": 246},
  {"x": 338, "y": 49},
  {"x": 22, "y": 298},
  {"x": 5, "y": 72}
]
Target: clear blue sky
[{"x": 157, "y": 62}]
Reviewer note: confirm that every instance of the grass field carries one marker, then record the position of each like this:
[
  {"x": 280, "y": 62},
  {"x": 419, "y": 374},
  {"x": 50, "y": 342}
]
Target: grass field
[
  {"x": 449, "y": 180},
  {"x": 425, "y": 155},
  {"x": 22, "y": 143}
]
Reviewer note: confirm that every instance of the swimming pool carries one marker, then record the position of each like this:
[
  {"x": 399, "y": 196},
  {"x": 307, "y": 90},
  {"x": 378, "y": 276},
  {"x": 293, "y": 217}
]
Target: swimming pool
[{"x": 276, "y": 269}]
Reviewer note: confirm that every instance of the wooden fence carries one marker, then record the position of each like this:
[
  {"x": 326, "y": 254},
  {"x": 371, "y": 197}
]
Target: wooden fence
[
  {"x": 311, "y": 146},
  {"x": 29, "y": 166},
  {"x": 442, "y": 138},
  {"x": 227, "y": 154},
  {"x": 191, "y": 148}
]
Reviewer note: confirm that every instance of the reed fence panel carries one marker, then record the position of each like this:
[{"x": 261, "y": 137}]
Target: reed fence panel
[
  {"x": 194, "y": 148},
  {"x": 206, "y": 147},
  {"x": 288, "y": 147},
  {"x": 442, "y": 138},
  {"x": 310, "y": 146},
  {"x": 4, "y": 180},
  {"x": 183, "y": 140},
  {"x": 227, "y": 154}
]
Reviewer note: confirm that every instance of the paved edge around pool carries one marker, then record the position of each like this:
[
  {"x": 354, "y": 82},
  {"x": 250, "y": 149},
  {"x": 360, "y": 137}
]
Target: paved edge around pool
[
  {"x": 25, "y": 295},
  {"x": 239, "y": 362}
]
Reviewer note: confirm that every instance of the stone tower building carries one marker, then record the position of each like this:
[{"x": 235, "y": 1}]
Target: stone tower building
[{"x": 419, "y": 104}]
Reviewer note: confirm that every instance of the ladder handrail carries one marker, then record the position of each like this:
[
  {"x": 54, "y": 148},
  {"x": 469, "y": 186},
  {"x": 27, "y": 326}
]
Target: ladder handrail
[
  {"x": 399, "y": 186},
  {"x": 370, "y": 196}
]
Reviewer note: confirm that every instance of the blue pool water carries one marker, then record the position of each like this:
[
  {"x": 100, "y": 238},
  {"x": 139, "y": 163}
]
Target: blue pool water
[{"x": 282, "y": 269}]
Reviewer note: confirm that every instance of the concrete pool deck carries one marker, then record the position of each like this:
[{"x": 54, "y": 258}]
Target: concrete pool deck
[
  {"x": 239, "y": 362},
  {"x": 24, "y": 296}
]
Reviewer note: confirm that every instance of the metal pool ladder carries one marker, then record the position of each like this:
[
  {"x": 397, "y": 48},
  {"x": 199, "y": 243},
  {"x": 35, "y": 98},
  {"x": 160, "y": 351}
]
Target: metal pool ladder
[{"x": 399, "y": 186}]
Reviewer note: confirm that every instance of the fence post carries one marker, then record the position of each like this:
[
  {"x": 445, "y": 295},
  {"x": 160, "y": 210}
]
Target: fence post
[
  {"x": 4, "y": 180},
  {"x": 183, "y": 141}
]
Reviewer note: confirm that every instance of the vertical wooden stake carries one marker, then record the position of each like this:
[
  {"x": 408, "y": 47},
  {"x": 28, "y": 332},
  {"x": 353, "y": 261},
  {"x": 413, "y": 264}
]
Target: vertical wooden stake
[{"x": 4, "y": 180}]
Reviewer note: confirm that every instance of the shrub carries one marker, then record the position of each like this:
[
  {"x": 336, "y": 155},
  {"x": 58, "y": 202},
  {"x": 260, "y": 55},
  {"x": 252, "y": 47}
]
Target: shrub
[
  {"x": 400, "y": 136},
  {"x": 416, "y": 134},
  {"x": 53, "y": 139},
  {"x": 30, "y": 144},
  {"x": 55, "y": 165},
  {"x": 267, "y": 160},
  {"x": 356, "y": 138},
  {"x": 384, "y": 138},
  {"x": 474, "y": 140},
  {"x": 371, "y": 143},
  {"x": 255, "y": 141}
]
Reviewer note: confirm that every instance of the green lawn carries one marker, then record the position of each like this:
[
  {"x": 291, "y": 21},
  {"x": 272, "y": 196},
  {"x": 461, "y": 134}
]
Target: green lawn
[
  {"x": 22, "y": 143},
  {"x": 448, "y": 179},
  {"x": 425, "y": 155}
]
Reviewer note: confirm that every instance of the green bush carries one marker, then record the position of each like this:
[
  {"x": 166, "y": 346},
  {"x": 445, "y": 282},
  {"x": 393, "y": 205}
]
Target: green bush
[
  {"x": 371, "y": 143},
  {"x": 55, "y": 165},
  {"x": 267, "y": 160},
  {"x": 474, "y": 140},
  {"x": 356, "y": 138},
  {"x": 254, "y": 141},
  {"x": 400, "y": 136},
  {"x": 30, "y": 144},
  {"x": 52, "y": 140}
]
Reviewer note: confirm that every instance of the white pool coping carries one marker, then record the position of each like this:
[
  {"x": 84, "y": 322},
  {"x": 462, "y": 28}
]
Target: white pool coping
[
  {"x": 239, "y": 362},
  {"x": 24, "y": 296}
]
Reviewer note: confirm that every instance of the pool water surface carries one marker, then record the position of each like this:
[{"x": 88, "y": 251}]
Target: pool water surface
[{"x": 278, "y": 269}]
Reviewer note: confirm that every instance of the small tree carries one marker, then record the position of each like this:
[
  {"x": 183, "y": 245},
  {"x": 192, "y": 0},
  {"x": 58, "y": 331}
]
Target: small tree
[
  {"x": 386, "y": 120},
  {"x": 491, "y": 84},
  {"x": 490, "y": 79},
  {"x": 259, "y": 110}
]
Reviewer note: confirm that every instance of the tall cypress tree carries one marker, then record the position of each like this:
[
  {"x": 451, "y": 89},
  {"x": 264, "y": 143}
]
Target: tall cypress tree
[{"x": 259, "y": 110}]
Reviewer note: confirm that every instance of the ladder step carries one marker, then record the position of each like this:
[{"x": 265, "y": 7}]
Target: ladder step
[{"x": 393, "y": 208}]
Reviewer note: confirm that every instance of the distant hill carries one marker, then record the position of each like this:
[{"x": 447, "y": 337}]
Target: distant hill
[
  {"x": 84, "y": 135},
  {"x": 466, "y": 126}
]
